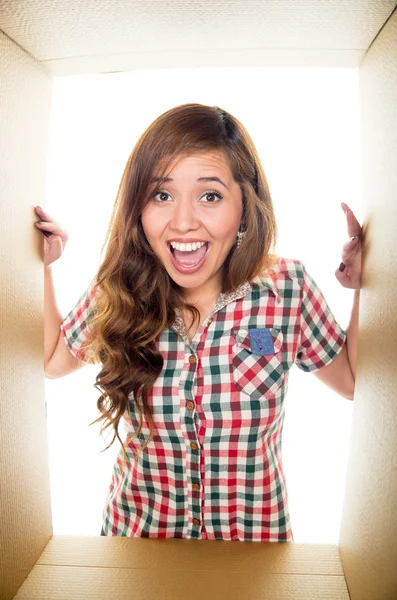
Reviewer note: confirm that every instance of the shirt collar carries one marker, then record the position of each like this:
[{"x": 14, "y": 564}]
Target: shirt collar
[
  {"x": 268, "y": 282},
  {"x": 223, "y": 299},
  {"x": 263, "y": 281},
  {"x": 241, "y": 291}
]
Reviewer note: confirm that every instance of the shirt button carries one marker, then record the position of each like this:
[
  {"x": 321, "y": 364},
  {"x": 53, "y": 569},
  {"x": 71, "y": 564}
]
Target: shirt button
[
  {"x": 196, "y": 522},
  {"x": 190, "y": 405},
  {"x": 192, "y": 359},
  {"x": 196, "y": 486},
  {"x": 193, "y": 446}
]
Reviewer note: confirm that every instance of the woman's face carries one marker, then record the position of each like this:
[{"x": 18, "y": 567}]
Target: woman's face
[{"x": 199, "y": 203}]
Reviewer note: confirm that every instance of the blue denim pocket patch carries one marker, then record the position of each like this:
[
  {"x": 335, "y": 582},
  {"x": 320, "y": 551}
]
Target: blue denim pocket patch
[{"x": 261, "y": 341}]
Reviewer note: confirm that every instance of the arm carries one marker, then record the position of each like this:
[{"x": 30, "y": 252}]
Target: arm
[
  {"x": 349, "y": 276},
  {"x": 340, "y": 375},
  {"x": 352, "y": 334},
  {"x": 58, "y": 361},
  {"x": 322, "y": 348},
  {"x": 52, "y": 316}
]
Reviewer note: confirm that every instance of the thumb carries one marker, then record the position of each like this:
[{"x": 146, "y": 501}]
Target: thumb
[{"x": 341, "y": 273}]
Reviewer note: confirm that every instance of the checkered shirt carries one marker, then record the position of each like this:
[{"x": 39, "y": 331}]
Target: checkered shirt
[{"x": 214, "y": 468}]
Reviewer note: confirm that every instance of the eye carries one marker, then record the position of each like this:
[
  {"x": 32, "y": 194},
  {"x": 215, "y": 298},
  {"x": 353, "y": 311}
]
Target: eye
[
  {"x": 160, "y": 193},
  {"x": 164, "y": 196},
  {"x": 217, "y": 195}
]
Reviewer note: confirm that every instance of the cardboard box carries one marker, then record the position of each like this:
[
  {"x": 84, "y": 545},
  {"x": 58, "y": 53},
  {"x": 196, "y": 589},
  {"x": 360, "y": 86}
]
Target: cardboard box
[{"x": 40, "y": 39}]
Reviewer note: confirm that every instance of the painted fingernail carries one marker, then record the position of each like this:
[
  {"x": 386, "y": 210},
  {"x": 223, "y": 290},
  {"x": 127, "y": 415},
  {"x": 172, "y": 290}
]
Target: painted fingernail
[{"x": 342, "y": 267}]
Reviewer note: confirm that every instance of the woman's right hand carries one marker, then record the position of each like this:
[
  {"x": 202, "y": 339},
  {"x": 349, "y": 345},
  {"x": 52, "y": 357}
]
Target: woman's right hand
[{"x": 55, "y": 237}]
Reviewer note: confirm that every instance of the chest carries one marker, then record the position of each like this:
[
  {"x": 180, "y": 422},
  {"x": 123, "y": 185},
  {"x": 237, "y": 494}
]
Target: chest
[
  {"x": 229, "y": 357},
  {"x": 227, "y": 375},
  {"x": 221, "y": 385}
]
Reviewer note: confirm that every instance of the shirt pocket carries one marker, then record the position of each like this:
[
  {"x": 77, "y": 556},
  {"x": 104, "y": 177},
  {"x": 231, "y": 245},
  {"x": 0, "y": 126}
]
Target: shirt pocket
[{"x": 257, "y": 361}]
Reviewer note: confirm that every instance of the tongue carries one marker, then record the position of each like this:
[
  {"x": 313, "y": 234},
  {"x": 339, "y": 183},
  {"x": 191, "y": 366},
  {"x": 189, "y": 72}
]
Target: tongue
[{"x": 191, "y": 258}]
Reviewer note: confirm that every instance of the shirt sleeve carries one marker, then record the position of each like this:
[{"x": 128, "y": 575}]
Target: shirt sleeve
[
  {"x": 75, "y": 327},
  {"x": 321, "y": 336}
]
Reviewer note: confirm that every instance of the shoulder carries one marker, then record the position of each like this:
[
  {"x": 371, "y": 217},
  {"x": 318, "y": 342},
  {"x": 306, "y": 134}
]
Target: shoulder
[
  {"x": 284, "y": 277},
  {"x": 281, "y": 270}
]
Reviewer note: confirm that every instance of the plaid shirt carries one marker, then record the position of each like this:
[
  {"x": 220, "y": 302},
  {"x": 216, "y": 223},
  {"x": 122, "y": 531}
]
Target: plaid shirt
[{"x": 214, "y": 468}]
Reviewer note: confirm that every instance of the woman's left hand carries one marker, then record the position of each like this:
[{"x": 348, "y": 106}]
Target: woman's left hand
[{"x": 350, "y": 277}]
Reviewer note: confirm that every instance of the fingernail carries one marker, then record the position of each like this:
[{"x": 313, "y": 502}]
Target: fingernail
[{"x": 342, "y": 266}]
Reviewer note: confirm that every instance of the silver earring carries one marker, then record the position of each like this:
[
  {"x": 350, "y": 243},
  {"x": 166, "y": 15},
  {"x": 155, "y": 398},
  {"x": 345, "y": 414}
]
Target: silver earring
[{"x": 240, "y": 236}]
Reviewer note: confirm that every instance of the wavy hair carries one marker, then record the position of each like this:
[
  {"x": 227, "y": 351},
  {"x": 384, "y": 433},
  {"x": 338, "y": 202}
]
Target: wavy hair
[{"x": 136, "y": 298}]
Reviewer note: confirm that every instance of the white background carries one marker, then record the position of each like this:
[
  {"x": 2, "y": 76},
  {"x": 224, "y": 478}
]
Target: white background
[{"x": 305, "y": 125}]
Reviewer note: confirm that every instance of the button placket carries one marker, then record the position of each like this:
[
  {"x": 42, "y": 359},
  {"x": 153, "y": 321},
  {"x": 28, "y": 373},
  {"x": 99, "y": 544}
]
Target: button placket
[
  {"x": 198, "y": 470},
  {"x": 195, "y": 499},
  {"x": 187, "y": 402},
  {"x": 189, "y": 419}
]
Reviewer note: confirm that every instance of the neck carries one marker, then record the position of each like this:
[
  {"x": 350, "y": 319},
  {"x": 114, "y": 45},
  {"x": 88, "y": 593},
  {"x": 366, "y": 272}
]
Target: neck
[{"x": 204, "y": 295}]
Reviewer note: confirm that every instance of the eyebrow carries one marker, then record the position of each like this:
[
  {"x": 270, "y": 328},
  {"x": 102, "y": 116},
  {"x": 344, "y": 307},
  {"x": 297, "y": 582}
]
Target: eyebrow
[{"x": 163, "y": 179}]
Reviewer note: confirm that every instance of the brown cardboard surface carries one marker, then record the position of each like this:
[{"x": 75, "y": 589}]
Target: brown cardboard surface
[
  {"x": 110, "y": 567},
  {"x": 368, "y": 536},
  {"x": 25, "y": 508},
  {"x": 113, "y": 552},
  {"x": 73, "y": 37}
]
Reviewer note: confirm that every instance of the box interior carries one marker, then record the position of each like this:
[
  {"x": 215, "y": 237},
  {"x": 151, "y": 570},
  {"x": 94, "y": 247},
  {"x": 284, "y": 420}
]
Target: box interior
[{"x": 40, "y": 40}]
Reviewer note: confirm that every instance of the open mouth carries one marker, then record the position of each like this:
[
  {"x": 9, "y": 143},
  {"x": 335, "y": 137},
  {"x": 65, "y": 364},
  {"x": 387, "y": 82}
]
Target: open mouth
[{"x": 186, "y": 260}]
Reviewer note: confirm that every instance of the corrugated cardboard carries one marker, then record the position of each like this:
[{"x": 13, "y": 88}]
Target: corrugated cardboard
[{"x": 36, "y": 565}]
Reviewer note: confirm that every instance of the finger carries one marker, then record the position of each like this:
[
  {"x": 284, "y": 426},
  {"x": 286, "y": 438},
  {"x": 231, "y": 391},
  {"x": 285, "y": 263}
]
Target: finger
[
  {"x": 352, "y": 220},
  {"x": 353, "y": 226},
  {"x": 351, "y": 251},
  {"x": 342, "y": 276},
  {"x": 52, "y": 228},
  {"x": 342, "y": 273},
  {"x": 48, "y": 228},
  {"x": 353, "y": 244},
  {"x": 50, "y": 225},
  {"x": 350, "y": 216},
  {"x": 348, "y": 279},
  {"x": 44, "y": 216}
]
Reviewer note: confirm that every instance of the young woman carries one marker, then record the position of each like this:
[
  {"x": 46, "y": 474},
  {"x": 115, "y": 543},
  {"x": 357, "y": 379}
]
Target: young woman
[{"x": 196, "y": 324}]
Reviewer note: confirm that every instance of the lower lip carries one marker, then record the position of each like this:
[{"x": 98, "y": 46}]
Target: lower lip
[{"x": 188, "y": 270}]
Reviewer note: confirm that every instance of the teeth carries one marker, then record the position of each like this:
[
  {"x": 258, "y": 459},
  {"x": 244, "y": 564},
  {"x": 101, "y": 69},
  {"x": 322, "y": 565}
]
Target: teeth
[{"x": 187, "y": 247}]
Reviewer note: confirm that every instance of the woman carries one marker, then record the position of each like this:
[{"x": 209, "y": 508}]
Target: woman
[{"x": 196, "y": 324}]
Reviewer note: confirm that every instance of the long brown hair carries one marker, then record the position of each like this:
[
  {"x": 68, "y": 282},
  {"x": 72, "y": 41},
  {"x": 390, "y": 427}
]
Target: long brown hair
[{"x": 136, "y": 299}]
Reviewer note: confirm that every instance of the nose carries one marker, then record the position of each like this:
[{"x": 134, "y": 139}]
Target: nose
[{"x": 184, "y": 217}]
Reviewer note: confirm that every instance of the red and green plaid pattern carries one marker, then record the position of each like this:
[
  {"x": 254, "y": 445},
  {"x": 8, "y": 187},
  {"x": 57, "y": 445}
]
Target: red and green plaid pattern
[{"x": 214, "y": 468}]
